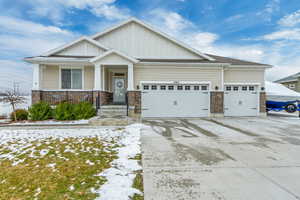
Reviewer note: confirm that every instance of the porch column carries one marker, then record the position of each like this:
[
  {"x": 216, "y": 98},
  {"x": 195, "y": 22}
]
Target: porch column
[
  {"x": 36, "y": 77},
  {"x": 130, "y": 78},
  {"x": 97, "y": 77}
]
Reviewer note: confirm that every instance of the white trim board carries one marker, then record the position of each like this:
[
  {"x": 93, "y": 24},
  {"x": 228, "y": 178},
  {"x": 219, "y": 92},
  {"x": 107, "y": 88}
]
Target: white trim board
[
  {"x": 83, "y": 38},
  {"x": 93, "y": 60}
]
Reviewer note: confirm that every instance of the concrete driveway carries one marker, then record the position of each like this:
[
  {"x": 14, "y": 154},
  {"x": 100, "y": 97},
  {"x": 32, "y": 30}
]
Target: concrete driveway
[{"x": 229, "y": 158}]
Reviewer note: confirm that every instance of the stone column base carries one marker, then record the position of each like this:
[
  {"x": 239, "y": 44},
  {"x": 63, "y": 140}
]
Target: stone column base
[
  {"x": 217, "y": 103},
  {"x": 35, "y": 96},
  {"x": 262, "y": 102},
  {"x": 134, "y": 104}
]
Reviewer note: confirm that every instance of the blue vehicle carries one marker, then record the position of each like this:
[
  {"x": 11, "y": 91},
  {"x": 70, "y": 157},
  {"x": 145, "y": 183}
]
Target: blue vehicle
[
  {"x": 280, "y": 98},
  {"x": 288, "y": 106}
]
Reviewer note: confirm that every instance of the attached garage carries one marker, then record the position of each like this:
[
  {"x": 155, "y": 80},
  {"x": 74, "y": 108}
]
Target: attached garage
[
  {"x": 241, "y": 100},
  {"x": 171, "y": 99}
]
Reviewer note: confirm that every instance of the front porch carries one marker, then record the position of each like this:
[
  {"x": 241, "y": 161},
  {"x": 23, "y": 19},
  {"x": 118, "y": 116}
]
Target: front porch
[{"x": 104, "y": 80}]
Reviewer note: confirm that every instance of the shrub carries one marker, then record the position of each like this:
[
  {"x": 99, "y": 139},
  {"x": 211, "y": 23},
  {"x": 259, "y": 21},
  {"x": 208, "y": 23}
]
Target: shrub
[
  {"x": 21, "y": 114},
  {"x": 84, "y": 110},
  {"x": 40, "y": 111},
  {"x": 64, "y": 111}
]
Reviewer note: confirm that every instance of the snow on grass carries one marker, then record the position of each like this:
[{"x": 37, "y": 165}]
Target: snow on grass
[
  {"x": 87, "y": 163},
  {"x": 122, "y": 173}
]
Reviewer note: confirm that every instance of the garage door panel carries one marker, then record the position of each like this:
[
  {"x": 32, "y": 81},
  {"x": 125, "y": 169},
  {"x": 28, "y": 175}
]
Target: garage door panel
[
  {"x": 175, "y": 103},
  {"x": 241, "y": 102}
]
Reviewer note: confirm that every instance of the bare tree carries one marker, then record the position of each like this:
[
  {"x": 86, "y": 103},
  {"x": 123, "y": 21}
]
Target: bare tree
[{"x": 13, "y": 97}]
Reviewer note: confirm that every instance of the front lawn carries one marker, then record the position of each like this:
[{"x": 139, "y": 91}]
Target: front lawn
[{"x": 68, "y": 163}]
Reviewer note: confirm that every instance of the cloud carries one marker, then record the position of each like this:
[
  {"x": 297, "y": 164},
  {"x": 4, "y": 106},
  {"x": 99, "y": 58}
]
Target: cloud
[
  {"x": 13, "y": 71},
  {"x": 57, "y": 9},
  {"x": 290, "y": 20},
  {"x": 172, "y": 21},
  {"x": 291, "y": 34},
  {"x": 29, "y": 38},
  {"x": 20, "y": 26},
  {"x": 281, "y": 51},
  {"x": 269, "y": 10},
  {"x": 234, "y": 18},
  {"x": 20, "y": 38}
]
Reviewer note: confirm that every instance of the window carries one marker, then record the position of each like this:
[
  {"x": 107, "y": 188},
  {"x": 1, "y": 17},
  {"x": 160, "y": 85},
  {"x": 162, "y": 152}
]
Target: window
[
  {"x": 187, "y": 87},
  {"x": 196, "y": 87},
  {"x": 251, "y": 88},
  {"x": 179, "y": 87},
  {"x": 204, "y": 87},
  {"x": 244, "y": 88},
  {"x": 162, "y": 87},
  {"x": 146, "y": 87},
  {"x": 235, "y": 88},
  {"x": 170, "y": 87},
  {"x": 71, "y": 78},
  {"x": 153, "y": 87},
  {"x": 292, "y": 86},
  {"x": 228, "y": 88}
]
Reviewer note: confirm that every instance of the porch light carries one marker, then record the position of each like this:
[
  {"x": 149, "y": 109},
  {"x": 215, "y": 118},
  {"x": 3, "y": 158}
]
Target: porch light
[
  {"x": 262, "y": 88},
  {"x": 216, "y": 88},
  {"x": 137, "y": 87}
]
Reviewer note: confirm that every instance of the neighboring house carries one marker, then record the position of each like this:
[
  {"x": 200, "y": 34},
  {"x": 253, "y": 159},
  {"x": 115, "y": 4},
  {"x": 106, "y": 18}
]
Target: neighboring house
[
  {"x": 292, "y": 82},
  {"x": 161, "y": 76}
]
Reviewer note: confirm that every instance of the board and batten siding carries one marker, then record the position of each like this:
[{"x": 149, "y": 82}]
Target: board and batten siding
[
  {"x": 167, "y": 73},
  {"x": 140, "y": 42},
  {"x": 244, "y": 76},
  {"x": 82, "y": 48},
  {"x": 50, "y": 77}
]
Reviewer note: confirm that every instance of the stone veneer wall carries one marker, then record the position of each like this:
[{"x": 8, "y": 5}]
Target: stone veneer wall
[
  {"x": 217, "y": 102},
  {"x": 134, "y": 103},
  {"x": 55, "y": 97},
  {"x": 262, "y": 100}
]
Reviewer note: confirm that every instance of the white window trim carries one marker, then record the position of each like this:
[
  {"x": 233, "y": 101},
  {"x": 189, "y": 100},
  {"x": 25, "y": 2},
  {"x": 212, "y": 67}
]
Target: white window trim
[
  {"x": 71, "y": 67},
  {"x": 292, "y": 85}
]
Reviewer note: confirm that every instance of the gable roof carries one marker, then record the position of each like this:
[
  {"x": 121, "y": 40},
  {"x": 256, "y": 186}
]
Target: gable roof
[
  {"x": 83, "y": 38},
  {"x": 293, "y": 77},
  {"x": 114, "y": 52},
  {"x": 149, "y": 27}
]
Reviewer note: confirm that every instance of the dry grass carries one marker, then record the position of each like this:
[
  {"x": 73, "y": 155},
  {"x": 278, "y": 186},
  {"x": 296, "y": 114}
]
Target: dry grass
[
  {"x": 138, "y": 180},
  {"x": 54, "y": 169}
]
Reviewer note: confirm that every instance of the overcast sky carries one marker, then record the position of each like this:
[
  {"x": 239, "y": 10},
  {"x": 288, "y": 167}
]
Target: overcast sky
[{"x": 266, "y": 31}]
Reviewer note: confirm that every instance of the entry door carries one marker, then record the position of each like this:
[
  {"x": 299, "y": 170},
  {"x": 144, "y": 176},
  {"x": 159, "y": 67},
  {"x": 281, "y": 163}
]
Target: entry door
[
  {"x": 175, "y": 100},
  {"x": 241, "y": 100},
  {"x": 119, "y": 90}
]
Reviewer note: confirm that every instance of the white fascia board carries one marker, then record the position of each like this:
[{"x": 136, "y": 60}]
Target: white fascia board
[
  {"x": 250, "y": 66},
  {"x": 287, "y": 81},
  {"x": 155, "y": 31},
  {"x": 47, "y": 60},
  {"x": 114, "y": 52},
  {"x": 83, "y": 38}
]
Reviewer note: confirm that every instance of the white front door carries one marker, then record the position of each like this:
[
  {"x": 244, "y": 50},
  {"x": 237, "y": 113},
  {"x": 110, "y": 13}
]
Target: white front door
[
  {"x": 241, "y": 100},
  {"x": 175, "y": 100},
  {"x": 119, "y": 90}
]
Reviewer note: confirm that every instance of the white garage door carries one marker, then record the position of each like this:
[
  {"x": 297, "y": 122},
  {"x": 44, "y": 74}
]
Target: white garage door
[
  {"x": 241, "y": 100},
  {"x": 175, "y": 100}
]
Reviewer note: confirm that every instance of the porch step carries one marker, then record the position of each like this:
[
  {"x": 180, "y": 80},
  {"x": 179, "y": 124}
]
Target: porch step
[{"x": 112, "y": 110}]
